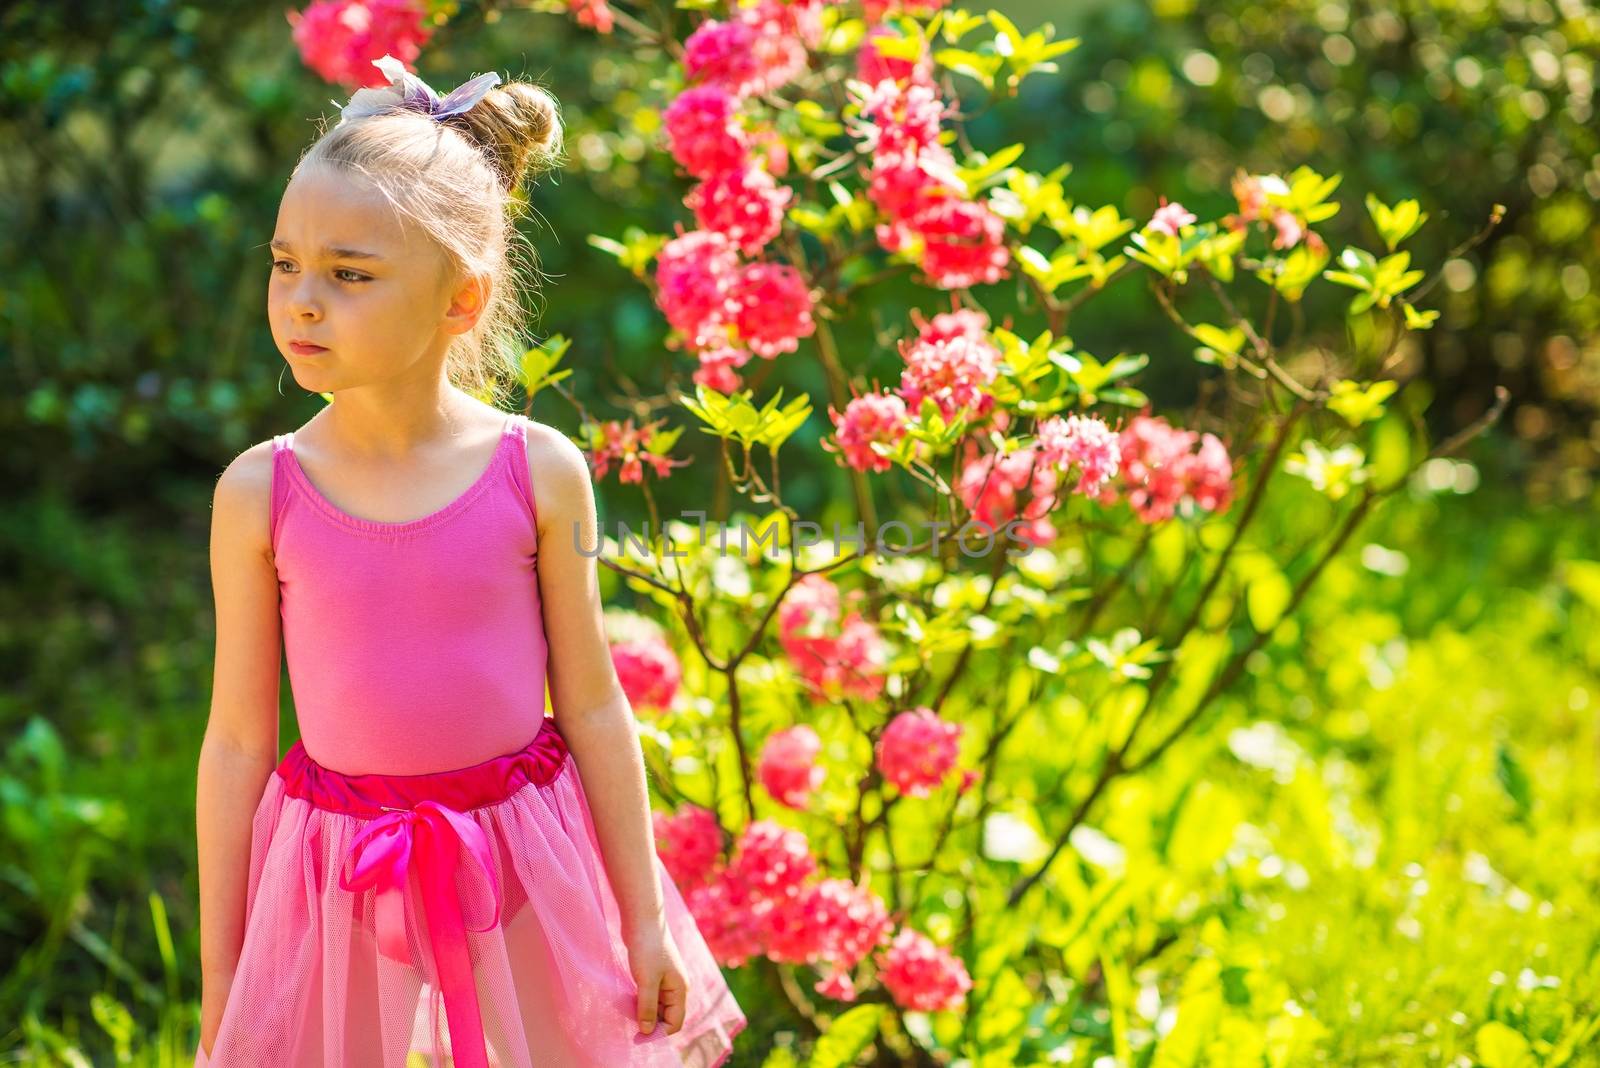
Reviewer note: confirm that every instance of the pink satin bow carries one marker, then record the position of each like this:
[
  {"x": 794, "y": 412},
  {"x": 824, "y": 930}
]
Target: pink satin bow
[{"x": 379, "y": 858}]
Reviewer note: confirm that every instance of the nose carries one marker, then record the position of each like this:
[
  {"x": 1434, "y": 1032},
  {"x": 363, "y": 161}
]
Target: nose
[{"x": 303, "y": 301}]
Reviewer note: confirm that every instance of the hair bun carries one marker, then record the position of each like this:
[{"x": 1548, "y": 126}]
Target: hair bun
[{"x": 518, "y": 126}]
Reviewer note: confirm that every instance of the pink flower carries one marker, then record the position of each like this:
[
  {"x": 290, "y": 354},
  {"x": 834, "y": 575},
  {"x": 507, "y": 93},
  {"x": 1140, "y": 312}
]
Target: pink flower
[
  {"x": 873, "y": 66},
  {"x": 688, "y": 843},
  {"x": 648, "y": 670},
  {"x": 722, "y": 54},
  {"x": 917, "y": 750},
  {"x": 955, "y": 371},
  {"x": 799, "y": 20},
  {"x": 788, "y": 767},
  {"x": 1085, "y": 441},
  {"x": 773, "y": 307},
  {"x": 1289, "y": 229},
  {"x": 745, "y": 203},
  {"x": 634, "y": 447},
  {"x": 837, "y": 985},
  {"x": 1210, "y": 475},
  {"x": 833, "y": 658},
  {"x": 989, "y": 487},
  {"x": 921, "y": 975},
  {"x": 760, "y": 50},
  {"x": 912, "y": 183},
  {"x": 874, "y": 418},
  {"x": 770, "y": 151},
  {"x": 875, "y": 10},
  {"x": 694, "y": 273},
  {"x": 703, "y": 131},
  {"x": 861, "y": 659},
  {"x": 729, "y": 918},
  {"x": 1251, "y": 191},
  {"x": 1153, "y": 466},
  {"x": 960, "y": 323},
  {"x": 963, "y": 243},
  {"x": 339, "y": 39},
  {"x": 831, "y": 920},
  {"x": 896, "y": 118},
  {"x": 716, "y": 367},
  {"x": 850, "y": 663},
  {"x": 1169, "y": 217},
  {"x": 902, "y": 186},
  {"x": 1159, "y": 472},
  {"x": 595, "y": 14},
  {"x": 810, "y": 608},
  {"x": 1251, "y": 194},
  {"x": 771, "y": 860}
]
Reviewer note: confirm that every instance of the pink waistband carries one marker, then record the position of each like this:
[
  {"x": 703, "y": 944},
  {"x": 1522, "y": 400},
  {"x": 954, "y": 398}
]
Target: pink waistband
[{"x": 370, "y": 795}]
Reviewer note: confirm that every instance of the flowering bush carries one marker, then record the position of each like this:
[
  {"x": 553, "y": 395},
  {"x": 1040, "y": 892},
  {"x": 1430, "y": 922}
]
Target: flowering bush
[{"x": 885, "y": 855}]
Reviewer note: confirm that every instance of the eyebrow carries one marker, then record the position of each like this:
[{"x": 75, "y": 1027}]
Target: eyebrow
[{"x": 333, "y": 251}]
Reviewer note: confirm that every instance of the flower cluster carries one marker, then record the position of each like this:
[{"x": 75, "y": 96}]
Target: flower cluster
[
  {"x": 834, "y": 657},
  {"x": 917, "y": 750},
  {"x": 1085, "y": 442},
  {"x": 1252, "y": 192},
  {"x": 1162, "y": 469},
  {"x": 951, "y": 360},
  {"x": 788, "y": 768},
  {"x": 726, "y": 308},
  {"x": 339, "y": 39},
  {"x": 631, "y": 447},
  {"x": 769, "y": 899},
  {"x": 912, "y": 181},
  {"x": 992, "y": 485},
  {"x": 689, "y": 843},
  {"x": 869, "y": 419},
  {"x": 647, "y": 668},
  {"x": 922, "y": 975}
]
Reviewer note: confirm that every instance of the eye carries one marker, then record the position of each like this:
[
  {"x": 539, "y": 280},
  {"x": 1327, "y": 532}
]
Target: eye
[{"x": 285, "y": 266}]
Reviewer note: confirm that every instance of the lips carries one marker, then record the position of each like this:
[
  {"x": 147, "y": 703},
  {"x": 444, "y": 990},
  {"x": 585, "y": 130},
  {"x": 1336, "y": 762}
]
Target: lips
[{"x": 305, "y": 348}]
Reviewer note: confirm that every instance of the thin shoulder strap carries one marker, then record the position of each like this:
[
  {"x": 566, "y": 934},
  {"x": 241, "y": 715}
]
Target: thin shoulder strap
[
  {"x": 518, "y": 429},
  {"x": 282, "y": 449}
]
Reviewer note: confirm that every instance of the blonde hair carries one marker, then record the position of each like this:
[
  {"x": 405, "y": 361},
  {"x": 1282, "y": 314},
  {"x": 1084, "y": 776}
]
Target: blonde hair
[{"x": 459, "y": 179}]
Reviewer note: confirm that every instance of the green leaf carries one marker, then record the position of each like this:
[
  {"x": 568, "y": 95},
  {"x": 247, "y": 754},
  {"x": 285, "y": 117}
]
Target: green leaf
[
  {"x": 1397, "y": 223},
  {"x": 1583, "y": 579},
  {"x": 846, "y": 1037},
  {"x": 1291, "y": 274},
  {"x": 1391, "y": 448},
  {"x": 634, "y": 251},
  {"x": 1418, "y": 320},
  {"x": 978, "y": 67},
  {"x": 1501, "y": 1047},
  {"x": 1361, "y": 404},
  {"x": 1514, "y": 780},
  {"x": 537, "y": 369},
  {"x": 1266, "y": 598}
]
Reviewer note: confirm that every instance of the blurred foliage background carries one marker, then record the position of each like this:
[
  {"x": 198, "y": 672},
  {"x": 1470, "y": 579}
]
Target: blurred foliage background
[{"x": 1399, "y": 808}]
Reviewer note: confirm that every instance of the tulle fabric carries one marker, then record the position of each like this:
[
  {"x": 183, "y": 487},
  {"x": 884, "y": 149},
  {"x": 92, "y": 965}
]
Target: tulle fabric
[{"x": 553, "y": 982}]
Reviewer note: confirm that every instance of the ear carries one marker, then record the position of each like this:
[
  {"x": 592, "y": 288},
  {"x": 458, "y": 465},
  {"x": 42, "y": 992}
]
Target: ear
[{"x": 467, "y": 303}]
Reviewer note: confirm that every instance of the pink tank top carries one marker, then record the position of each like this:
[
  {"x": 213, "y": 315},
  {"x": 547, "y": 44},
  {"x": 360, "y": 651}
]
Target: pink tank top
[{"x": 412, "y": 647}]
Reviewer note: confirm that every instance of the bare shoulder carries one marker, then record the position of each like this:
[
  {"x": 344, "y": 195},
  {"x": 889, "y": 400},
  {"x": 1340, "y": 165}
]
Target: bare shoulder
[
  {"x": 559, "y": 471},
  {"x": 241, "y": 504}
]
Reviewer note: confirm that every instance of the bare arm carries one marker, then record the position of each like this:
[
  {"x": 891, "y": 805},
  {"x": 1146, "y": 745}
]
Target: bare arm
[
  {"x": 591, "y": 710},
  {"x": 240, "y": 747}
]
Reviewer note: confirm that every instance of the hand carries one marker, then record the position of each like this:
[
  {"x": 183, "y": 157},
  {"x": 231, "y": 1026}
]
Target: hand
[{"x": 658, "y": 971}]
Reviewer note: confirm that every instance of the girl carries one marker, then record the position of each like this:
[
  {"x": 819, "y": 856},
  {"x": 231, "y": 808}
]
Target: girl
[{"x": 423, "y": 870}]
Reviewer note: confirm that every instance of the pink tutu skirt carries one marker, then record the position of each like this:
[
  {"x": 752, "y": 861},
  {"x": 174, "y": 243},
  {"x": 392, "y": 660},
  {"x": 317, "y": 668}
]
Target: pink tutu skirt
[{"x": 463, "y": 916}]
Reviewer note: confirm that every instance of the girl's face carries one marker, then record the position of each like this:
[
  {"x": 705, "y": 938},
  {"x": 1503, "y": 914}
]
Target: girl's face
[{"x": 350, "y": 276}]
